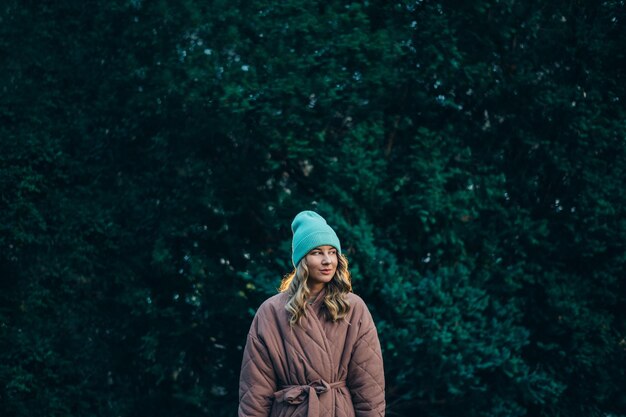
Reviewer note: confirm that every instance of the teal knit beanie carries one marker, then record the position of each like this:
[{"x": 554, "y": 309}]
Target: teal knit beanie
[{"x": 310, "y": 230}]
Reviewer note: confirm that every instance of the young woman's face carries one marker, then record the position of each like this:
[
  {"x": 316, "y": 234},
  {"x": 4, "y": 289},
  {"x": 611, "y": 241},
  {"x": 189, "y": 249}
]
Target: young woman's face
[{"x": 322, "y": 264}]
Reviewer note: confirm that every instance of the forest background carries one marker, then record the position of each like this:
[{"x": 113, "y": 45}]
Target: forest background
[{"x": 471, "y": 156}]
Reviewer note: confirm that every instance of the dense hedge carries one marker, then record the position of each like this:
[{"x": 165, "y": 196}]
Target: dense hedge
[{"x": 471, "y": 156}]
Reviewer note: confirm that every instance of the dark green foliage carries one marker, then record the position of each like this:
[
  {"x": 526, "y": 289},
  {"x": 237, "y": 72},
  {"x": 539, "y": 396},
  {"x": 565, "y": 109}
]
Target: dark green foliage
[{"x": 471, "y": 156}]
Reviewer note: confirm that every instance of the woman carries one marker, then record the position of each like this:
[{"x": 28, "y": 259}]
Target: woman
[{"x": 313, "y": 349}]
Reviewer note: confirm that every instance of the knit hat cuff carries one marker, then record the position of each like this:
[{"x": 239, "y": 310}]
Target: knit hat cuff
[{"x": 313, "y": 240}]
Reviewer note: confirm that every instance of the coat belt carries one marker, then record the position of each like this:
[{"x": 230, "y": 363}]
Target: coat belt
[{"x": 296, "y": 394}]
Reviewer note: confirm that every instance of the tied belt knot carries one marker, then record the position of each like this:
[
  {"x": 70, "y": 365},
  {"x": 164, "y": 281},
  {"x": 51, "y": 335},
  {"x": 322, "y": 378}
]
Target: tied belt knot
[{"x": 296, "y": 394}]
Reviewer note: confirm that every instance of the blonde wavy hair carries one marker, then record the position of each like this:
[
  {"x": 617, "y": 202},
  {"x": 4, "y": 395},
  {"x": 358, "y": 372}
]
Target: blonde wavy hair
[{"x": 335, "y": 300}]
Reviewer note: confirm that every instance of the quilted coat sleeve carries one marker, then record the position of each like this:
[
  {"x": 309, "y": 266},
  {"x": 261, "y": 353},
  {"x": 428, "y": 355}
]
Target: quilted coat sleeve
[
  {"x": 366, "y": 378},
  {"x": 257, "y": 380}
]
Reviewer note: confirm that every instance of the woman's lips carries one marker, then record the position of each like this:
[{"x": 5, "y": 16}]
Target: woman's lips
[{"x": 326, "y": 271}]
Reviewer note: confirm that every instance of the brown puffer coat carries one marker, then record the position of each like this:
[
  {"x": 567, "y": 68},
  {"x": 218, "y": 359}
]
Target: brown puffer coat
[{"x": 318, "y": 369}]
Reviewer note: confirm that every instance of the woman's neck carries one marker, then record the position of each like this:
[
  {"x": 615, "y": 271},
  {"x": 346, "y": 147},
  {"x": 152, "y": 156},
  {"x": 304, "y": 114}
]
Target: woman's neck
[
  {"x": 315, "y": 289},
  {"x": 314, "y": 292}
]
